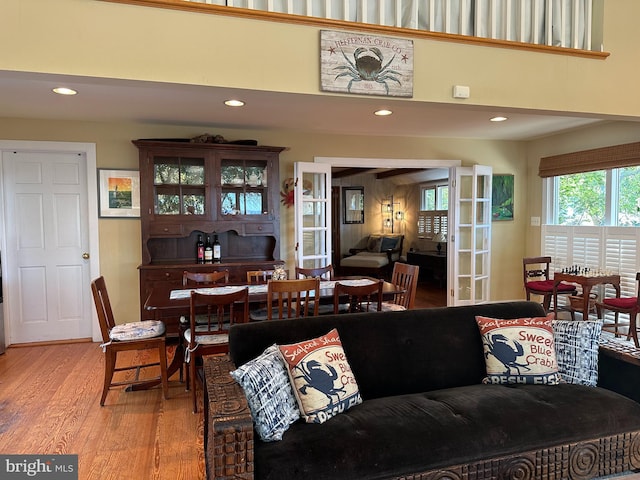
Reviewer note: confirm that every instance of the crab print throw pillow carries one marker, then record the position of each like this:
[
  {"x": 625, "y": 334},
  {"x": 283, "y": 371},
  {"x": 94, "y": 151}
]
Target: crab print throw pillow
[
  {"x": 322, "y": 380},
  {"x": 519, "y": 350}
]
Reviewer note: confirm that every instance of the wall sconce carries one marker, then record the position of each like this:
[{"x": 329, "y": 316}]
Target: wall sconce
[
  {"x": 399, "y": 215},
  {"x": 388, "y": 223}
]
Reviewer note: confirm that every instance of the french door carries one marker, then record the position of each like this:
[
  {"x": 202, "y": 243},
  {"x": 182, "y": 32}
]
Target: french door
[
  {"x": 469, "y": 242},
  {"x": 312, "y": 214}
]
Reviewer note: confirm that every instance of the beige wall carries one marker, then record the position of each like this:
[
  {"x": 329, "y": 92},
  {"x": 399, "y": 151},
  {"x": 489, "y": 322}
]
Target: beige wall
[{"x": 102, "y": 39}]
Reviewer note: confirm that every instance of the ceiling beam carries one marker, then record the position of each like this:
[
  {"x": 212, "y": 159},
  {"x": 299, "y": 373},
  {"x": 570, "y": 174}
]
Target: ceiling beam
[
  {"x": 347, "y": 172},
  {"x": 397, "y": 171}
]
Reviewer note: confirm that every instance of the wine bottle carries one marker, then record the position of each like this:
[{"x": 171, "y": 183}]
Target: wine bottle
[
  {"x": 217, "y": 257},
  {"x": 199, "y": 250},
  {"x": 208, "y": 251}
]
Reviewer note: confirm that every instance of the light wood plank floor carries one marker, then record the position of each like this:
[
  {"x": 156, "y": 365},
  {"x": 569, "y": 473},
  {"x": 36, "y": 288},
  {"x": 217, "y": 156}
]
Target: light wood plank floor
[{"x": 49, "y": 404}]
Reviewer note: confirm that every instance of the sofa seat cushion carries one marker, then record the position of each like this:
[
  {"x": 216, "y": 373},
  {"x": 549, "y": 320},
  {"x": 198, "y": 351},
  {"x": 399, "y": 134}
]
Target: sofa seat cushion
[
  {"x": 405, "y": 434},
  {"x": 366, "y": 260}
]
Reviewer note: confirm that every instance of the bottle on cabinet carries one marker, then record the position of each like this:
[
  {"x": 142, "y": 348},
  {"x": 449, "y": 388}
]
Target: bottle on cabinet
[
  {"x": 199, "y": 250},
  {"x": 208, "y": 251},
  {"x": 217, "y": 256}
]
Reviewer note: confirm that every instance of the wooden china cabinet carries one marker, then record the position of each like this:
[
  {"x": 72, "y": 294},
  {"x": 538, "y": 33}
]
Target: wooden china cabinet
[{"x": 191, "y": 189}]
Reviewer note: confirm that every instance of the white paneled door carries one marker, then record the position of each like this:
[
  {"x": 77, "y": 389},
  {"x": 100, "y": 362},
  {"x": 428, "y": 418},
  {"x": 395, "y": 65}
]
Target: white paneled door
[{"x": 47, "y": 266}]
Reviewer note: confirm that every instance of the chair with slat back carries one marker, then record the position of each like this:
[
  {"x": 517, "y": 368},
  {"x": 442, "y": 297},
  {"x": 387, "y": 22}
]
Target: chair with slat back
[
  {"x": 293, "y": 298},
  {"x": 361, "y": 298},
  {"x": 617, "y": 305},
  {"x": 537, "y": 281},
  {"x": 259, "y": 277},
  {"x": 145, "y": 335},
  {"x": 405, "y": 277},
  {"x": 204, "y": 278},
  {"x": 222, "y": 311},
  {"x": 324, "y": 273}
]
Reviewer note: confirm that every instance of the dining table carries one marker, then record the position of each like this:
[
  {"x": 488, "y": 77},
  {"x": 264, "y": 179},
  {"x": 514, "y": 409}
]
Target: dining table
[{"x": 169, "y": 303}]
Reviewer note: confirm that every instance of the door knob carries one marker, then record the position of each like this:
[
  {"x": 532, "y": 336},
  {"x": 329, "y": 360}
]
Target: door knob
[{"x": 85, "y": 255}]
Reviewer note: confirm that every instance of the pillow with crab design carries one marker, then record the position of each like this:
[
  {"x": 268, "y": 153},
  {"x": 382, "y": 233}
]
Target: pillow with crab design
[
  {"x": 519, "y": 350},
  {"x": 321, "y": 377}
]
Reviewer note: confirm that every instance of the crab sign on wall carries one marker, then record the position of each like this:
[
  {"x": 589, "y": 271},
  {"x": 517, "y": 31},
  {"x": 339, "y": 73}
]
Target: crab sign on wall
[{"x": 366, "y": 64}]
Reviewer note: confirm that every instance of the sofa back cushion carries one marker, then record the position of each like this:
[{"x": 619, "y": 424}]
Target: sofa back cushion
[{"x": 392, "y": 353}]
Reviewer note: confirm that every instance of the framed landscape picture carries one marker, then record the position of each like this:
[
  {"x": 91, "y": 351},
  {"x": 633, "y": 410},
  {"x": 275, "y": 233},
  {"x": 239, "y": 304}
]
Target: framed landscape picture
[
  {"x": 119, "y": 193},
  {"x": 502, "y": 197}
]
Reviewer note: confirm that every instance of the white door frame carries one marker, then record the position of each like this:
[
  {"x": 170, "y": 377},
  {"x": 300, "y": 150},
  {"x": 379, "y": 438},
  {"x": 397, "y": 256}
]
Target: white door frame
[{"x": 89, "y": 151}]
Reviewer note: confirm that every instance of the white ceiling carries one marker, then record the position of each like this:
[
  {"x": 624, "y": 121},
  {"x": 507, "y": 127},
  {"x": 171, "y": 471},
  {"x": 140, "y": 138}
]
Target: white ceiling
[{"x": 28, "y": 95}]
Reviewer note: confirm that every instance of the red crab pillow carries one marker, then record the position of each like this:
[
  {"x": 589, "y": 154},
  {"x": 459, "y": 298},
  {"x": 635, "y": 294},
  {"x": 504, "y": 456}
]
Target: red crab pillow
[
  {"x": 321, "y": 377},
  {"x": 519, "y": 350}
]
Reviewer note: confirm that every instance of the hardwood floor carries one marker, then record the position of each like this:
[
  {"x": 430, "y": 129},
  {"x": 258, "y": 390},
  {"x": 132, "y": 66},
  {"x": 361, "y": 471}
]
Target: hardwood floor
[
  {"x": 429, "y": 295},
  {"x": 49, "y": 404}
]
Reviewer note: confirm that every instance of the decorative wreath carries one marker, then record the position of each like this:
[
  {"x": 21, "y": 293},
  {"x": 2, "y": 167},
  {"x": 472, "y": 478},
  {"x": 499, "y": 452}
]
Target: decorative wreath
[{"x": 287, "y": 192}]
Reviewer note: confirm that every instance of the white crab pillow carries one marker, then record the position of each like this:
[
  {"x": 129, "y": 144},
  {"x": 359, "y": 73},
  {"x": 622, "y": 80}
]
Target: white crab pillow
[
  {"x": 519, "y": 350},
  {"x": 322, "y": 380}
]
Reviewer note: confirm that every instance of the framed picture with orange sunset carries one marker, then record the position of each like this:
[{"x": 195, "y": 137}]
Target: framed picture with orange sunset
[{"x": 119, "y": 193}]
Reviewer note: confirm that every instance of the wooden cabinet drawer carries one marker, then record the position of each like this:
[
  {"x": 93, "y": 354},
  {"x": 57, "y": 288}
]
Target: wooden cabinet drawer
[
  {"x": 171, "y": 230},
  {"x": 258, "y": 228}
]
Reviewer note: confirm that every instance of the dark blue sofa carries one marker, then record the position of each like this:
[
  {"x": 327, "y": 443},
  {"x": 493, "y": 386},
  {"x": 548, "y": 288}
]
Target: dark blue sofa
[{"x": 426, "y": 413}]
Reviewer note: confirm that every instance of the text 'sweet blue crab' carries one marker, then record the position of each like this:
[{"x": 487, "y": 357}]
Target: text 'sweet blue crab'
[
  {"x": 505, "y": 353},
  {"x": 368, "y": 68},
  {"x": 322, "y": 380}
]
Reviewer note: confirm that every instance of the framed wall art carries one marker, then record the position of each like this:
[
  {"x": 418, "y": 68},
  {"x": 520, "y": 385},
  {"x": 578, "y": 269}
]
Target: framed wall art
[
  {"x": 353, "y": 205},
  {"x": 119, "y": 193},
  {"x": 502, "y": 197}
]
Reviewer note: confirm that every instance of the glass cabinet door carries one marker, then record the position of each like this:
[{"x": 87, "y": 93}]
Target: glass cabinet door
[
  {"x": 244, "y": 187},
  {"x": 179, "y": 185}
]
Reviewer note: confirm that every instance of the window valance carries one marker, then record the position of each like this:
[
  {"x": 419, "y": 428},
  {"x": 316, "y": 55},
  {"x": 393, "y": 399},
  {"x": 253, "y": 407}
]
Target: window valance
[{"x": 617, "y": 156}]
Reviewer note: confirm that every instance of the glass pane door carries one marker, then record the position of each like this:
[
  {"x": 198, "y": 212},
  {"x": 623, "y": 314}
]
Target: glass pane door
[
  {"x": 470, "y": 239},
  {"x": 313, "y": 214},
  {"x": 179, "y": 186}
]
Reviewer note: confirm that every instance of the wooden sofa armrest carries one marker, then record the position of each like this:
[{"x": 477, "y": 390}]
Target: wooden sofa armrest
[
  {"x": 228, "y": 426},
  {"x": 619, "y": 367}
]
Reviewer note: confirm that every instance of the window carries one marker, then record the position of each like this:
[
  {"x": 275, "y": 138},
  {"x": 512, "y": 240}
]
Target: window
[
  {"x": 434, "y": 197},
  {"x": 599, "y": 198},
  {"x": 434, "y": 209}
]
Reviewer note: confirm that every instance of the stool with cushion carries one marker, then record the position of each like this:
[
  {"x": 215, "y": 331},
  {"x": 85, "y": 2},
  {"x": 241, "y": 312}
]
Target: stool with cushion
[
  {"x": 146, "y": 335},
  {"x": 537, "y": 281}
]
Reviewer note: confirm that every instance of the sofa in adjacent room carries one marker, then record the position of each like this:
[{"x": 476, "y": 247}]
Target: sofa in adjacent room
[
  {"x": 422, "y": 408},
  {"x": 374, "y": 255}
]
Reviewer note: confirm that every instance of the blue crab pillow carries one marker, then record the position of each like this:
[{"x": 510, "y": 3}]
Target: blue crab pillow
[
  {"x": 519, "y": 350},
  {"x": 322, "y": 380}
]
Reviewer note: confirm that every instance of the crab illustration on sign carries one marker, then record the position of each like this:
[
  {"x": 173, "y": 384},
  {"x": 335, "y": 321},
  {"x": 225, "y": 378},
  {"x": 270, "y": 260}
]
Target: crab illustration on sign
[{"x": 366, "y": 64}]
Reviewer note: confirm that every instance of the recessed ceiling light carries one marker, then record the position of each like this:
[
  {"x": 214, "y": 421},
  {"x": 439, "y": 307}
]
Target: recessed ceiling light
[
  {"x": 498, "y": 119},
  {"x": 234, "y": 103},
  {"x": 382, "y": 113},
  {"x": 64, "y": 91}
]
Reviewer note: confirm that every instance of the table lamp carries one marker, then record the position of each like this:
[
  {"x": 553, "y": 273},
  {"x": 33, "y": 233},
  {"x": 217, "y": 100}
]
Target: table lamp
[{"x": 439, "y": 237}]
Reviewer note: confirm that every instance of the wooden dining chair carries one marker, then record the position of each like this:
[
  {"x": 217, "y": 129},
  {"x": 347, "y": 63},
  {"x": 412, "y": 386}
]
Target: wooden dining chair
[
  {"x": 405, "y": 277},
  {"x": 259, "y": 277},
  {"x": 324, "y": 273},
  {"x": 618, "y": 305},
  {"x": 145, "y": 335},
  {"x": 293, "y": 298},
  {"x": 204, "y": 278},
  {"x": 536, "y": 279},
  {"x": 360, "y": 298},
  {"x": 212, "y": 337}
]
